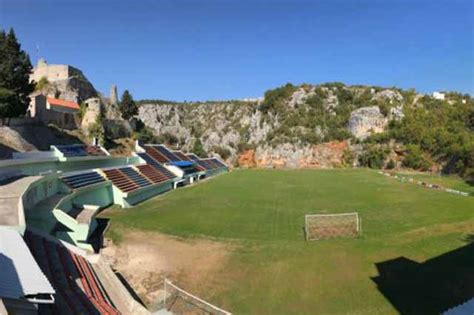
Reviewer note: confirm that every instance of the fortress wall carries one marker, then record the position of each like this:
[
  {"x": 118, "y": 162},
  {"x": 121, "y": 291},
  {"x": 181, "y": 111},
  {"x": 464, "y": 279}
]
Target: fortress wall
[{"x": 51, "y": 72}]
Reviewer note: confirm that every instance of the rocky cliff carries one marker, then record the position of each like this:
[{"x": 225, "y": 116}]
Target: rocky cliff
[{"x": 294, "y": 126}]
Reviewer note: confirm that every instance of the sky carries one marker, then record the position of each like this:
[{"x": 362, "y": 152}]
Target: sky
[{"x": 230, "y": 49}]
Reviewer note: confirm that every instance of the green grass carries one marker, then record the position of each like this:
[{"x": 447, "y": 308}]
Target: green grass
[
  {"x": 273, "y": 270},
  {"x": 451, "y": 181}
]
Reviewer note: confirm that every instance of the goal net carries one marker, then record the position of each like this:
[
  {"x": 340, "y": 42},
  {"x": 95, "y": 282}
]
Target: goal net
[
  {"x": 178, "y": 301},
  {"x": 325, "y": 226}
]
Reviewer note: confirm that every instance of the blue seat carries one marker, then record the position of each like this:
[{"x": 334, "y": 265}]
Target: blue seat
[{"x": 82, "y": 180}]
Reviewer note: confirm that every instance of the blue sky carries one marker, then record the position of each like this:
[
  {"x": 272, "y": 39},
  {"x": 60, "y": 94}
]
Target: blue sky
[{"x": 202, "y": 50}]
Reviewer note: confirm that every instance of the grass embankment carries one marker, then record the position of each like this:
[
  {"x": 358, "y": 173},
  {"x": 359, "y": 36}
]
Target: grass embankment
[{"x": 274, "y": 271}]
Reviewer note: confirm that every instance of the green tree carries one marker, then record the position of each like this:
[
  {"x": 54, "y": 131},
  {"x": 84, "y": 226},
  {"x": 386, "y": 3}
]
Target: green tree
[
  {"x": 414, "y": 158},
  {"x": 128, "y": 107},
  {"x": 198, "y": 148},
  {"x": 15, "y": 69}
]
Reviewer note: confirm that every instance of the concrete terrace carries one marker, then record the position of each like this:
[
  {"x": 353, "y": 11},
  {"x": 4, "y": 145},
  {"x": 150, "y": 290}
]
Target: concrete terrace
[{"x": 10, "y": 195}]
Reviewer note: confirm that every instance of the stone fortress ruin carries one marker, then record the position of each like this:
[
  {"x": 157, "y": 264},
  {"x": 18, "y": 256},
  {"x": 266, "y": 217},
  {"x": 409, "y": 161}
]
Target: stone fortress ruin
[{"x": 65, "y": 97}]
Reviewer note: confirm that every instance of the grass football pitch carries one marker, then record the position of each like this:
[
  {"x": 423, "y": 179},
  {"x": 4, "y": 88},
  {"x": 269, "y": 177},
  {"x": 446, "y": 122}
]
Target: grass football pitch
[{"x": 414, "y": 257}]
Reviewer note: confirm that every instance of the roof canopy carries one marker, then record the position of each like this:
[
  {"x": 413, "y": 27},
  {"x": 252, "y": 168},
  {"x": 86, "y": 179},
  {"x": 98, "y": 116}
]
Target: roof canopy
[
  {"x": 182, "y": 163},
  {"x": 20, "y": 276}
]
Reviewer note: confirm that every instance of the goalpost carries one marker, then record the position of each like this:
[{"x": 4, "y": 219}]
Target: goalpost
[
  {"x": 325, "y": 226},
  {"x": 195, "y": 305}
]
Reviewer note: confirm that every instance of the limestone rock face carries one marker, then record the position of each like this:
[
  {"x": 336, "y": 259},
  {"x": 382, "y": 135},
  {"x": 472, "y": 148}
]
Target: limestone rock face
[
  {"x": 299, "y": 97},
  {"x": 287, "y": 155},
  {"x": 391, "y": 95},
  {"x": 365, "y": 121}
]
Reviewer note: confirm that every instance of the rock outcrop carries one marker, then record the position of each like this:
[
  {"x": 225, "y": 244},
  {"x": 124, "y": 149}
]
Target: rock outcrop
[
  {"x": 366, "y": 121},
  {"x": 325, "y": 155},
  {"x": 289, "y": 132}
]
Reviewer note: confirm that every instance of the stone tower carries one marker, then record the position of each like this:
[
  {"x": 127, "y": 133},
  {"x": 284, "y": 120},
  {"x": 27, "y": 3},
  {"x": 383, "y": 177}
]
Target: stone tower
[{"x": 113, "y": 95}]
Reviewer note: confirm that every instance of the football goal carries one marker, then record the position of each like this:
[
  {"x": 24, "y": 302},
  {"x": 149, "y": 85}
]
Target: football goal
[
  {"x": 325, "y": 226},
  {"x": 178, "y": 301}
]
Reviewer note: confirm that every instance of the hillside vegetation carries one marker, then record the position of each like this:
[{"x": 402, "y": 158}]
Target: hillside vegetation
[{"x": 383, "y": 127}]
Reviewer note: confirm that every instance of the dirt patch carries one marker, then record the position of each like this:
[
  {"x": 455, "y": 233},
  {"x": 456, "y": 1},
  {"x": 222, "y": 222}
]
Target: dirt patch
[
  {"x": 435, "y": 230},
  {"x": 144, "y": 258}
]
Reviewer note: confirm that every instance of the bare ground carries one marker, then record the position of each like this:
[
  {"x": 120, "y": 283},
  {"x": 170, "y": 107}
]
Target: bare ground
[{"x": 144, "y": 258}]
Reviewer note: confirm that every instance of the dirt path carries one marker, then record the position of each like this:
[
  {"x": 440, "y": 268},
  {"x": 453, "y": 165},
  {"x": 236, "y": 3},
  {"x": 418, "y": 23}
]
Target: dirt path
[{"x": 144, "y": 258}]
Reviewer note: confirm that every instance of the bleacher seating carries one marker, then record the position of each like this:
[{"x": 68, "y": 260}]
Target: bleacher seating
[
  {"x": 218, "y": 163},
  {"x": 77, "y": 150},
  {"x": 94, "y": 150},
  {"x": 205, "y": 164},
  {"x": 82, "y": 180},
  {"x": 163, "y": 150},
  {"x": 72, "y": 150},
  {"x": 152, "y": 173},
  {"x": 155, "y": 154},
  {"x": 156, "y": 164},
  {"x": 212, "y": 163},
  {"x": 63, "y": 268},
  {"x": 193, "y": 156},
  {"x": 120, "y": 180},
  {"x": 183, "y": 157},
  {"x": 127, "y": 179},
  {"x": 135, "y": 176}
]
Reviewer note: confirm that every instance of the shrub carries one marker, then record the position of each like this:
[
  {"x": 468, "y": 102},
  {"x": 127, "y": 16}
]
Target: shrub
[
  {"x": 415, "y": 159},
  {"x": 96, "y": 130},
  {"x": 198, "y": 148},
  {"x": 224, "y": 153},
  {"x": 373, "y": 157},
  {"x": 146, "y": 135},
  {"x": 275, "y": 98},
  {"x": 348, "y": 157},
  {"x": 167, "y": 138},
  {"x": 390, "y": 165},
  {"x": 43, "y": 82}
]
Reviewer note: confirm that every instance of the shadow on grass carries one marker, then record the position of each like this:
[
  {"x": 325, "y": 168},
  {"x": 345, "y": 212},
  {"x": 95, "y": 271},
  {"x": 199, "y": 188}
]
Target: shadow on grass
[{"x": 431, "y": 287}]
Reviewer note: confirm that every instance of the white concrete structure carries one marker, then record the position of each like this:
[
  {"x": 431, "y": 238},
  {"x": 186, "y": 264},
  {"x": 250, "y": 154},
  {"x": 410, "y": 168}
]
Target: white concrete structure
[{"x": 439, "y": 96}]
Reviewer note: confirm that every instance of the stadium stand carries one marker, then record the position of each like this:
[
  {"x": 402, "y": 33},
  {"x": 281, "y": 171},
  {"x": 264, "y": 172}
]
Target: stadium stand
[
  {"x": 205, "y": 164},
  {"x": 183, "y": 157},
  {"x": 217, "y": 162},
  {"x": 59, "y": 223},
  {"x": 153, "y": 174},
  {"x": 83, "y": 179},
  {"x": 23, "y": 286},
  {"x": 164, "y": 150},
  {"x": 155, "y": 154},
  {"x": 94, "y": 150},
  {"x": 77, "y": 150},
  {"x": 193, "y": 156},
  {"x": 72, "y": 150},
  {"x": 136, "y": 177},
  {"x": 62, "y": 267},
  {"x": 156, "y": 164},
  {"x": 120, "y": 180}
]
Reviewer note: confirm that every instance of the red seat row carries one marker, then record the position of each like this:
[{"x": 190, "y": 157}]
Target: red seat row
[
  {"x": 122, "y": 181},
  {"x": 78, "y": 290},
  {"x": 152, "y": 173}
]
